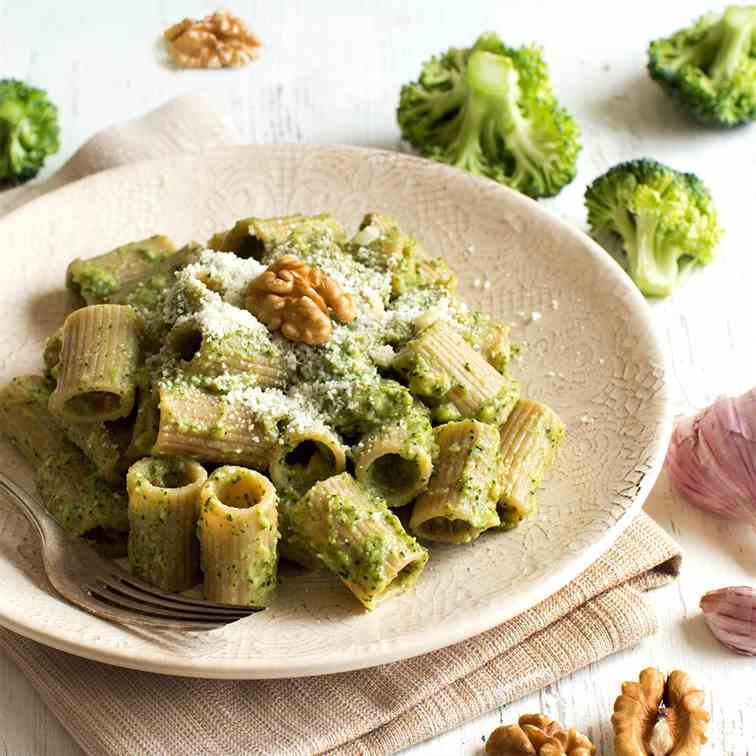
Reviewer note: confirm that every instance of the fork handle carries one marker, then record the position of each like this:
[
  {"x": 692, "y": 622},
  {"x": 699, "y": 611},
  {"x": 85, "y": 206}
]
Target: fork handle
[{"x": 35, "y": 513}]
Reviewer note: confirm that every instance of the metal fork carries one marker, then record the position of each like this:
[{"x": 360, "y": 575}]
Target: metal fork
[{"x": 103, "y": 588}]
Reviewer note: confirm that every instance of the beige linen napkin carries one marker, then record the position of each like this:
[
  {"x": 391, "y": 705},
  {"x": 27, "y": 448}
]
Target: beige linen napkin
[{"x": 119, "y": 712}]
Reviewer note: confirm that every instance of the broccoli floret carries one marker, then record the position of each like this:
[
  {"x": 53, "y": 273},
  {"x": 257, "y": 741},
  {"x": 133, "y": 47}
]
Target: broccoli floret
[
  {"x": 491, "y": 110},
  {"x": 710, "y": 67},
  {"x": 658, "y": 222},
  {"x": 28, "y": 131}
]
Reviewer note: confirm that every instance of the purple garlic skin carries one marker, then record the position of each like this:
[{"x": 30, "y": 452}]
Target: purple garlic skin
[
  {"x": 730, "y": 614},
  {"x": 712, "y": 457}
]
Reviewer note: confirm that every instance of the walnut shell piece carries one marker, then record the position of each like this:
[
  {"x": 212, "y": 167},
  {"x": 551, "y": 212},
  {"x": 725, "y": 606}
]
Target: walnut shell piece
[
  {"x": 218, "y": 40},
  {"x": 298, "y": 299},
  {"x": 658, "y": 717},
  {"x": 537, "y": 735}
]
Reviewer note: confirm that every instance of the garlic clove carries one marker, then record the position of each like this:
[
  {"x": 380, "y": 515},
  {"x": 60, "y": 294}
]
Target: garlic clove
[
  {"x": 712, "y": 457},
  {"x": 730, "y": 614}
]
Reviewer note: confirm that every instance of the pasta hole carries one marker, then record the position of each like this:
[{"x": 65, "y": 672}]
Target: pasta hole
[
  {"x": 393, "y": 473},
  {"x": 239, "y": 492},
  {"x": 444, "y": 528},
  {"x": 250, "y": 246},
  {"x": 310, "y": 461},
  {"x": 187, "y": 344},
  {"x": 94, "y": 404},
  {"x": 167, "y": 473}
]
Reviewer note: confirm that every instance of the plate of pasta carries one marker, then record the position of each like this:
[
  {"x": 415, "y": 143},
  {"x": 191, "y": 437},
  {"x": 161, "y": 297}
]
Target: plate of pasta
[{"x": 390, "y": 402}]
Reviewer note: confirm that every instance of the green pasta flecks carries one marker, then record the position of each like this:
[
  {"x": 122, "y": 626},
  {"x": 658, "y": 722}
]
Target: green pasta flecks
[
  {"x": 238, "y": 536},
  {"x": 97, "y": 279},
  {"x": 352, "y": 532},
  {"x": 529, "y": 443},
  {"x": 67, "y": 481}
]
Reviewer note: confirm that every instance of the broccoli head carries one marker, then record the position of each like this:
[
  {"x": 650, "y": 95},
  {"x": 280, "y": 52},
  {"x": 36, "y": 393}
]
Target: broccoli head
[
  {"x": 659, "y": 223},
  {"x": 28, "y": 131},
  {"x": 491, "y": 110},
  {"x": 710, "y": 67}
]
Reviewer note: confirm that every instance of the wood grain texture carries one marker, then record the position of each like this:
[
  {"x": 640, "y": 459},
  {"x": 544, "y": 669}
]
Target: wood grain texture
[{"x": 331, "y": 73}]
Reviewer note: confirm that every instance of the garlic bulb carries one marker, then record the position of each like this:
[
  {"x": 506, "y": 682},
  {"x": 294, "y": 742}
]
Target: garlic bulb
[
  {"x": 712, "y": 457},
  {"x": 731, "y": 616}
]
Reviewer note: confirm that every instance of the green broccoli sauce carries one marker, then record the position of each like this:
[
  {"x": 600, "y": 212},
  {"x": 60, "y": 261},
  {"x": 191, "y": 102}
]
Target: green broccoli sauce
[{"x": 97, "y": 284}]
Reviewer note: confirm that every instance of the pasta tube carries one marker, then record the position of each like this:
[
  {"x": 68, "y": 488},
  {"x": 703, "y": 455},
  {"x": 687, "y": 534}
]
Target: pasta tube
[
  {"x": 146, "y": 292},
  {"x": 441, "y": 366},
  {"x": 460, "y": 502},
  {"x": 240, "y": 239},
  {"x": 66, "y": 480},
  {"x": 51, "y": 354},
  {"x": 308, "y": 453},
  {"x": 396, "y": 460},
  {"x": 275, "y": 231},
  {"x": 197, "y": 425},
  {"x": 253, "y": 237},
  {"x": 238, "y": 352},
  {"x": 144, "y": 432},
  {"x": 288, "y": 547},
  {"x": 164, "y": 496},
  {"x": 529, "y": 442},
  {"x": 356, "y": 536},
  {"x": 97, "y": 279},
  {"x": 391, "y": 250},
  {"x": 104, "y": 445},
  {"x": 238, "y": 535},
  {"x": 488, "y": 336},
  {"x": 98, "y": 363}
]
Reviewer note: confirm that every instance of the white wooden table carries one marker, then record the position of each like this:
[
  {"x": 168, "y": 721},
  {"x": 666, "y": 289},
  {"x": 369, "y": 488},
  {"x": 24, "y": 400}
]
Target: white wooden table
[{"x": 331, "y": 73}]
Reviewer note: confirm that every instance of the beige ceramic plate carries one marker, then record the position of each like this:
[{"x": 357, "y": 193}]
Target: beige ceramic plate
[{"x": 592, "y": 355}]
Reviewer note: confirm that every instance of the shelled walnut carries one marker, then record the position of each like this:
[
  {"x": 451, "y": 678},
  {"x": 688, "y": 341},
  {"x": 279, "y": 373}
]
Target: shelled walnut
[
  {"x": 299, "y": 300},
  {"x": 537, "y": 735},
  {"x": 658, "y": 717},
  {"x": 218, "y": 40}
]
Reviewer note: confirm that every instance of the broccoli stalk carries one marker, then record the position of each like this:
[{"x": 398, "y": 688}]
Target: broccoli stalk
[
  {"x": 738, "y": 30},
  {"x": 710, "y": 67},
  {"x": 28, "y": 131},
  {"x": 490, "y": 110},
  {"x": 658, "y": 222}
]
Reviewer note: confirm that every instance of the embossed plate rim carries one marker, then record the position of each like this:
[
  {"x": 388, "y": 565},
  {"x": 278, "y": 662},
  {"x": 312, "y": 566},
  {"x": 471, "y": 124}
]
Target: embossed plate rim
[{"x": 384, "y": 650}]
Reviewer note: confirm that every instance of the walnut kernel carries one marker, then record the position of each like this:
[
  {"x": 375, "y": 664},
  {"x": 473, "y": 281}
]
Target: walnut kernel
[
  {"x": 218, "y": 40},
  {"x": 658, "y": 717},
  {"x": 537, "y": 735},
  {"x": 299, "y": 300}
]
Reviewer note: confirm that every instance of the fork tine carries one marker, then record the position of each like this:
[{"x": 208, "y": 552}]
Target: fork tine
[
  {"x": 105, "y": 593},
  {"x": 186, "y": 601},
  {"x": 102, "y": 606},
  {"x": 228, "y": 613}
]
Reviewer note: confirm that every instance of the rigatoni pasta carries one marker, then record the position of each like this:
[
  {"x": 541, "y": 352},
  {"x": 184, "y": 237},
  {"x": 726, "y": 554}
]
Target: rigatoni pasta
[
  {"x": 356, "y": 536},
  {"x": 198, "y": 425},
  {"x": 99, "y": 358},
  {"x": 460, "y": 502},
  {"x": 368, "y": 387},
  {"x": 441, "y": 366},
  {"x": 97, "y": 279},
  {"x": 164, "y": 499},
  {"x": 68, "y": 482},
  {"x": 305, "y": 455},
  {"x": 236, "y": 352},
  {"x": 396, "y": 460},
  {"x": 238, "y": 535},
  {"x": 529, "y": 442}
]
